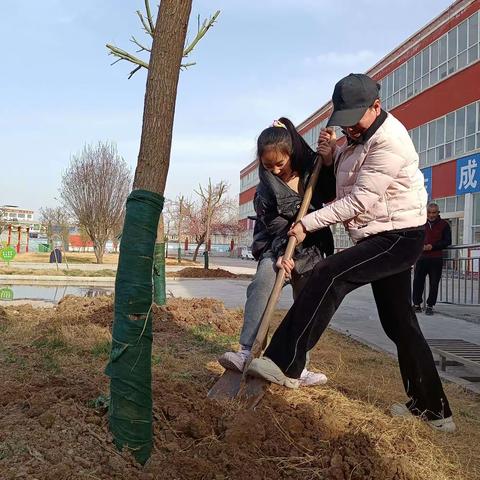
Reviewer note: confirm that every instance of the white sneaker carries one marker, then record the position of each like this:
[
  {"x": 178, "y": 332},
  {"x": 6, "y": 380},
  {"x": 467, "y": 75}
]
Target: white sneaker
[
  {"x": 234, "y": 360},
  {"x": 446, "y": 425},
  {"x": 310, "y": 379},
  {"x": 265, "y": 368}
]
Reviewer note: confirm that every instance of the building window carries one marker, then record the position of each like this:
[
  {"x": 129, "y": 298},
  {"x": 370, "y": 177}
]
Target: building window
[
  {"x": 450, "y": 204},
  {"x": 446, "y": 137},
  {"x": 453, "y": 51},
  {"x": 476, "y": 218}
]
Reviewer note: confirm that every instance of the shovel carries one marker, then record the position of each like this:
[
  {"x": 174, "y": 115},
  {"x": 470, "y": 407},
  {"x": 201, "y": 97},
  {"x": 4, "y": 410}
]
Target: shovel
[{"x": 232, "y": 383}]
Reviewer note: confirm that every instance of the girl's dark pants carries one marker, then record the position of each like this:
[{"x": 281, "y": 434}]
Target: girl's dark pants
[{"x": 383, "y": 260}]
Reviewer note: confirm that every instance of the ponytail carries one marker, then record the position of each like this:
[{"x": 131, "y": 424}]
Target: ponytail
[
  {"x": 302, "y": 155},
  {"x": 284, "y": 137}
]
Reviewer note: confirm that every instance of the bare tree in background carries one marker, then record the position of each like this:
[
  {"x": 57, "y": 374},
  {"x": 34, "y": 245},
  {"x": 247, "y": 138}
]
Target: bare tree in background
[
  {"x": 175, "y": 214},
  {"x": 84, "y": 238},
  {"x": 94, "y": 189},
  {"x": 56, "y": 221},
  {"x": 213, "y": 209}
]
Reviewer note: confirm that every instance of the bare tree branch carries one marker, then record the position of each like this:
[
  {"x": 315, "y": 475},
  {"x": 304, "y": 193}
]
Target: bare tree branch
[
  {"x": 124, "y": 55},
  {"x": 149, "y": 16},
  {"x": 142, "y": 47},
  {"x": 149, "y": 27},
  {"x": 184, "y": 66},
  {"x": 206, "y": 25},
  {"x": 132, "y": 73}
]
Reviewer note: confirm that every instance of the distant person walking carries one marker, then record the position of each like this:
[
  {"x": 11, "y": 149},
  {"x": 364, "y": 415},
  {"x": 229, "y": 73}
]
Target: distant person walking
[{"x": 438, "y": 236}]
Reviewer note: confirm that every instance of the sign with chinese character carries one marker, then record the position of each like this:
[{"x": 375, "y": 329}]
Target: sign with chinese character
[
  {"x": 427, "y": 176},
  {"x": 7, "y": 254},
  {"x": 468, "y": 174}
]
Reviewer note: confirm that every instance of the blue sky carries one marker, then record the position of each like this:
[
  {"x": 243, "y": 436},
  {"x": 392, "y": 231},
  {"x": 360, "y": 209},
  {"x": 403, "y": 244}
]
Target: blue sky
[{"x": 262, "y": 60}]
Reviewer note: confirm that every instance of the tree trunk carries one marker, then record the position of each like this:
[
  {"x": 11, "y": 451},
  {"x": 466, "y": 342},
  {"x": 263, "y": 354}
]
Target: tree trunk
[
  {"x": 99, "y": 250},
  {"x": 197, "y": 248},
  {"x": 179, "y": 231},
  {"x": 161, "y": 93},
  {"x": 66, "y": 239},
  {"x": 207, "y": 234},
  {"x": 129, "y": 368}
]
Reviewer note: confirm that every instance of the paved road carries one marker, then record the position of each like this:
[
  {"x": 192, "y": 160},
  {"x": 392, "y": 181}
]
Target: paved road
[{"x": 357, "y": 316}]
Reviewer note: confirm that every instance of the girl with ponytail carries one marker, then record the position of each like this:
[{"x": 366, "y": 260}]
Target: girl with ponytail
[{"x": 285, "y": 162}]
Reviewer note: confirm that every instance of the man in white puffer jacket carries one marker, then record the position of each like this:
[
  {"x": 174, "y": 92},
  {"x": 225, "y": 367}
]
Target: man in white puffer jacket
[{"x": 381, "y": 201}]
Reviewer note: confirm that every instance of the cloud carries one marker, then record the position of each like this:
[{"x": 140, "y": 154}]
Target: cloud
[{"x": 362, "y": 59}]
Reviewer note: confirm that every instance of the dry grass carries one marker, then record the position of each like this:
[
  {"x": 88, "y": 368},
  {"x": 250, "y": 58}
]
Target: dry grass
[
  {"x": 72, "y": 257},
  {"x": 87, "y": 257},
  {"x": 71, "y": 272},
  {"x": 362, "y": 385},
  {"x": 294, "y": 434}
]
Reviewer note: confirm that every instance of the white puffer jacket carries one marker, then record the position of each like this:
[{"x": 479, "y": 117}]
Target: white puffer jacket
[{"x": 379, "y": 185}]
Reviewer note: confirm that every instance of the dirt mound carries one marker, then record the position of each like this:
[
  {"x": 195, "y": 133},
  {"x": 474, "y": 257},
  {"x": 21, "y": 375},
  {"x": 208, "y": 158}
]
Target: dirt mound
[
  {"x": 192, "y": 272},
  {"x": 186, "y": 313},
  {"x": 54, "y": 421},
  {"x": 86, "y": 310},
  {"x": 274, "y": 441},
  {"x": 197, "y": 312}
]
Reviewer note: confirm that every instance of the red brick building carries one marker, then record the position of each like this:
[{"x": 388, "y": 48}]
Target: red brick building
[{"x": 431, "y": 83}]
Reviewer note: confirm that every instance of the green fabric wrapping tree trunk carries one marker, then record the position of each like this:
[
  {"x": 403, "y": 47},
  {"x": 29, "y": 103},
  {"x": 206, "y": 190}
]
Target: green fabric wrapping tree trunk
[
  {"x": 159, "y": 289},
  {"x": 129, "y": 369}
]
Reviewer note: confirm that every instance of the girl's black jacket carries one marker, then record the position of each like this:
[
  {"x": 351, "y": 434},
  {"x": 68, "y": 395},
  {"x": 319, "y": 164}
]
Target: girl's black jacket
[{"x": 276, "y": 206}]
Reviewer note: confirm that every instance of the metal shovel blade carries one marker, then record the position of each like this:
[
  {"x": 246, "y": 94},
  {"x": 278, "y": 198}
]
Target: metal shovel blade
[
  {"x": 252, "y": 391},
  {"x": 230, "y": 386},
  {"x": 227, "y": 386}
]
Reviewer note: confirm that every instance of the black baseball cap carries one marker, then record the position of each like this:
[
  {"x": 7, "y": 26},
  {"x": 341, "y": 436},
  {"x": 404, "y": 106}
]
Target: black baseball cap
[{"x": 351, "y": 97}]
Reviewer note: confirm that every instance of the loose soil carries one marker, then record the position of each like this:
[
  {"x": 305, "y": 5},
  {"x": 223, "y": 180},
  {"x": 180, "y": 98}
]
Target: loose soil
[
  {"x": 192, "y": 272},
  {"x": 188, "y": 272},
  {"x": 54, "y": 423}
]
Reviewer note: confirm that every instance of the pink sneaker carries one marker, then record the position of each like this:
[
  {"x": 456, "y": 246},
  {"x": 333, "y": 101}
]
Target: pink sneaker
[{"x": 234, "y": 360}]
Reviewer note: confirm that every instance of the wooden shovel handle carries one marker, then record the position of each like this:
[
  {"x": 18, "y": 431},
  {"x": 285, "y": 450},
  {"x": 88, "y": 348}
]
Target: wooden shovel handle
[{"x": 259, "y": 343}]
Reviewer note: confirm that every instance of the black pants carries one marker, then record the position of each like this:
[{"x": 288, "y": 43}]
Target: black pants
[
  {"x": 433, "y": 268},
  {"x": 384, "y": 260}
]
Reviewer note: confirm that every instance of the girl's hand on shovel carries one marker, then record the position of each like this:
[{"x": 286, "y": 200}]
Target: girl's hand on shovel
[
  {"x": 298, "y": 231},
  {"x": 287, "y": 265}
]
